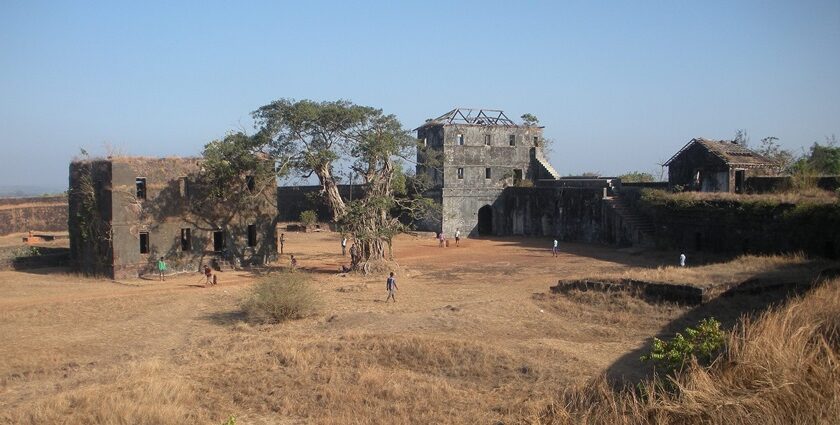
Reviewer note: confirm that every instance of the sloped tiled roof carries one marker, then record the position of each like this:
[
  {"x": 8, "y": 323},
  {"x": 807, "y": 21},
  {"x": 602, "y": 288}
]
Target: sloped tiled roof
[{"x": 729, "y": 152}]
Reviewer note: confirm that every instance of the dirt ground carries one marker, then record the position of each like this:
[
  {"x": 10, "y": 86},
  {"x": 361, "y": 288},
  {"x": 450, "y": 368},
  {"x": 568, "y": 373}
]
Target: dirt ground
[{"x": 473, "y": 337}]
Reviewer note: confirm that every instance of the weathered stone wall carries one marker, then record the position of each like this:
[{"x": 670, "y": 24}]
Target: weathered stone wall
[
  {"x": 770, "y": 184},
  {"x": 293, "y": 200},
  {"x": 568, "y": 213},
  {"x": 89, "y": 216},
  {"x": 462, "y": 193},
  {"x": 168, "y": 207},
  {"x": 43, "y": 213},
  {"x": 736, "y": 228}
]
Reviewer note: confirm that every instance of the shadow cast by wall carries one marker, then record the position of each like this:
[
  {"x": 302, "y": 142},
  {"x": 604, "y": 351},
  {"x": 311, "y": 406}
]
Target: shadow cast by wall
[{"x": 750, "y": 298}]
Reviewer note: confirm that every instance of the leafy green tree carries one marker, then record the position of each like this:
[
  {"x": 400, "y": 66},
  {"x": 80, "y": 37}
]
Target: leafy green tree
[
  {"x": 309, "y": 137},
  {"x": 770, "y": 149},
  {"x": 637, "y": 177},
  {"x": 530, "y": 119},
  {"x": 373, "y": 221}
]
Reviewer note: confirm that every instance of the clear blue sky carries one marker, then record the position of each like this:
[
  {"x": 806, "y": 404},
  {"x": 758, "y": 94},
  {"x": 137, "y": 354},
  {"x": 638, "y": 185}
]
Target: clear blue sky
[{"x": 619, "y": 86}]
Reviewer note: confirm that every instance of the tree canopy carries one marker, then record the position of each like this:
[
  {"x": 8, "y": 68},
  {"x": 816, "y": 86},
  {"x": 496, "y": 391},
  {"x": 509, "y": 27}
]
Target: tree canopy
[{"x": 309, "y": 137}]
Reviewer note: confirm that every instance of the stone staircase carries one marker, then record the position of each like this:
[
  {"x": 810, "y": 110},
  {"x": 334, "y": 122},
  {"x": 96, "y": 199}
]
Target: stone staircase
[
  {"x": 635, "y": 226},
  {"x": 546, "y": 166}
]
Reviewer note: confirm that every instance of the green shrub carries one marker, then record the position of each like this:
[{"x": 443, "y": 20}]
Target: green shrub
[
  {"x": 280, "y": 297},
  {"x": 703, "y": 343},
  {"x": 308, "y": 218}
]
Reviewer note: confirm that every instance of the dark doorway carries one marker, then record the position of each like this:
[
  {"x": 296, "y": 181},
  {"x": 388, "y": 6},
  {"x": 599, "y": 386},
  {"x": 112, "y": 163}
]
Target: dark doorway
[
  {"x": 485, "y": 220},
  {"x": 739, "y": 181},
  {"x": 218, "y": 240}
]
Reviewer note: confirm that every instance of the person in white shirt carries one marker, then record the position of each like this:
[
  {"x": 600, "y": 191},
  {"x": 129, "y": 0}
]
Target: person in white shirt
[
  {"x": 457, "y": 236},
  {"x": 343, "y": 246},
  {"x": 554, "y": 248},
  {"x": 682, "y": 260}
]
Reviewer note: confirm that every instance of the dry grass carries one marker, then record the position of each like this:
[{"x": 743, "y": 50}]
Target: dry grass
[
  {"x": 139, "y": 393},
  {"x": 811, "y": 196},
  {"x": 281, "y": 296},
  {"x": 476, "y": 347},
  {"x": 781, "y": 368},
  {"x": 770, "y": 268}
]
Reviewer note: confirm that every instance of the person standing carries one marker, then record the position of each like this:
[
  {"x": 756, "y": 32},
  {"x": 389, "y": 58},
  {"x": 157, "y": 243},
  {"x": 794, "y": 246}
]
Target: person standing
[
  {"x": 282, "y": 242},
  {"x": 161, "y": 266},
  {"x": 440, "y": 239},
  {"x": 207, "y": 275},
  {"x": 344, "y": 246},
  {"x": 682, "y": 259},
  {"x": 391, "y": 287},
  {"x": 457, "y": 236},
  {"x": 293, "y": 262},
  {"x": 554, "y": 249},
  {"x": 354, "y": 251}
]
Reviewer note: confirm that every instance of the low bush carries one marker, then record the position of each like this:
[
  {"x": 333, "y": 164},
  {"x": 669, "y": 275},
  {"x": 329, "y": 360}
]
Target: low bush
[
  {"x": 308, "y": 218},
  {"x": 703, "y": 344},
  {"x": 280, "y": 297}
]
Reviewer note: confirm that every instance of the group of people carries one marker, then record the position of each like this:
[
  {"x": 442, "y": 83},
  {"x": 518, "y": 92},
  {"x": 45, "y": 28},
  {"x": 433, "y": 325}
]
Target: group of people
[
  {"x": 442, "y": 242},
  {"x": 209, "y": 276}
]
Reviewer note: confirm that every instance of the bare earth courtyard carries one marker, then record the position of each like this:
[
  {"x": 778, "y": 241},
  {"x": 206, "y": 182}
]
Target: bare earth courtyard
[{"x": 475, "y": 337}]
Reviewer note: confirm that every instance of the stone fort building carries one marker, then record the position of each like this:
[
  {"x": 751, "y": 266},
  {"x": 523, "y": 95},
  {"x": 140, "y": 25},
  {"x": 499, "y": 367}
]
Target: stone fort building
[
  {"x": 125, "y": 213},
  {"x": 471, "y": 156}
]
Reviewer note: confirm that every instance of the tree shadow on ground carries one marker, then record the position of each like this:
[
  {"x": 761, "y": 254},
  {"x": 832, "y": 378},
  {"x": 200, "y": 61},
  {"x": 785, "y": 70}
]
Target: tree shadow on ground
[{"x": 750, "y": 298}]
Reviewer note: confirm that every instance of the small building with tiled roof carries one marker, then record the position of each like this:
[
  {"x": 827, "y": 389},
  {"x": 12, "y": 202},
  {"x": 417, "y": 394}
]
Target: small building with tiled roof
[{"x": 715, "y": 166}]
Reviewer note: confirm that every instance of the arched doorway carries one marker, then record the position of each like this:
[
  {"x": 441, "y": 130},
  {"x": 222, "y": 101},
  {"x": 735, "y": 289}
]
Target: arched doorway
[{"x": 485, "y": 220}]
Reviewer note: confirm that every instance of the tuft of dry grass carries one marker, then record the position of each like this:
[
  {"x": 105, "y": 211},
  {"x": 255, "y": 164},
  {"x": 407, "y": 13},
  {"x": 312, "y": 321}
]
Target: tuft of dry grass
[
  {"x": 140, "y": 393},
  {"x": 810, "y": 195},
  {"x": 279, "y": 297},
  {"x": 780, "y": 368}
]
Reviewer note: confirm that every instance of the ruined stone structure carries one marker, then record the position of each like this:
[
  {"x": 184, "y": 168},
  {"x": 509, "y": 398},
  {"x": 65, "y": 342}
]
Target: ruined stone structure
[
  {"x": 715, "y": 166},
  {"x": 126, "y": 213},
  {"x": 40, "y": 213},
  {"x": 471, "y": 156}
]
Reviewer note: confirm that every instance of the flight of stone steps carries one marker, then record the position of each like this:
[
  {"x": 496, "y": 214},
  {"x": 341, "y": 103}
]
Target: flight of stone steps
[
  {"x": 641, "y": 227},
  {"x": 541, "y": 159}
]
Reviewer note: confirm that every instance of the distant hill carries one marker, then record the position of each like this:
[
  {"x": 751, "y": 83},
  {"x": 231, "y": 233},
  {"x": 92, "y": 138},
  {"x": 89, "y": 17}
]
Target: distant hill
[{"x": 13, "y": 191}]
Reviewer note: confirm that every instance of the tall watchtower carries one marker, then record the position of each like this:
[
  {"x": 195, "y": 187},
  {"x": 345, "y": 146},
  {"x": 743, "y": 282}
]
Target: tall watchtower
[{"x": 471, "y": 156}]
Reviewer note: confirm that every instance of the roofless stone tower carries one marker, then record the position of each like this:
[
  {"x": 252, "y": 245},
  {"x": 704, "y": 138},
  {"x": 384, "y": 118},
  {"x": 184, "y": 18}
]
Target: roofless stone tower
[{"x": 471, "y": 156}]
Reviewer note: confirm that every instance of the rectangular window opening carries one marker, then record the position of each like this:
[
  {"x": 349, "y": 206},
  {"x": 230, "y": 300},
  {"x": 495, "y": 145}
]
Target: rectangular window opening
[
  {"x": 487, "y": 139},
  {"x": 218, "y": 241},
  {"x": 144, "y": 242},
  {"x": 517, "y": 176},
  {"x": 460, "y": 173},
  {"x": 140, "y": 182},
  {"x": 487, "y": 173},
  {"x": 250, "y": 183},
  {"x": 460, "y": 140},
  {"x": 183, "y": 187},
  {"x": 252, "y": 235},
  {"x": 536, "y": 141},
  {"x": 186, "y": 239},
  {"x": 512, "y": 140}
]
